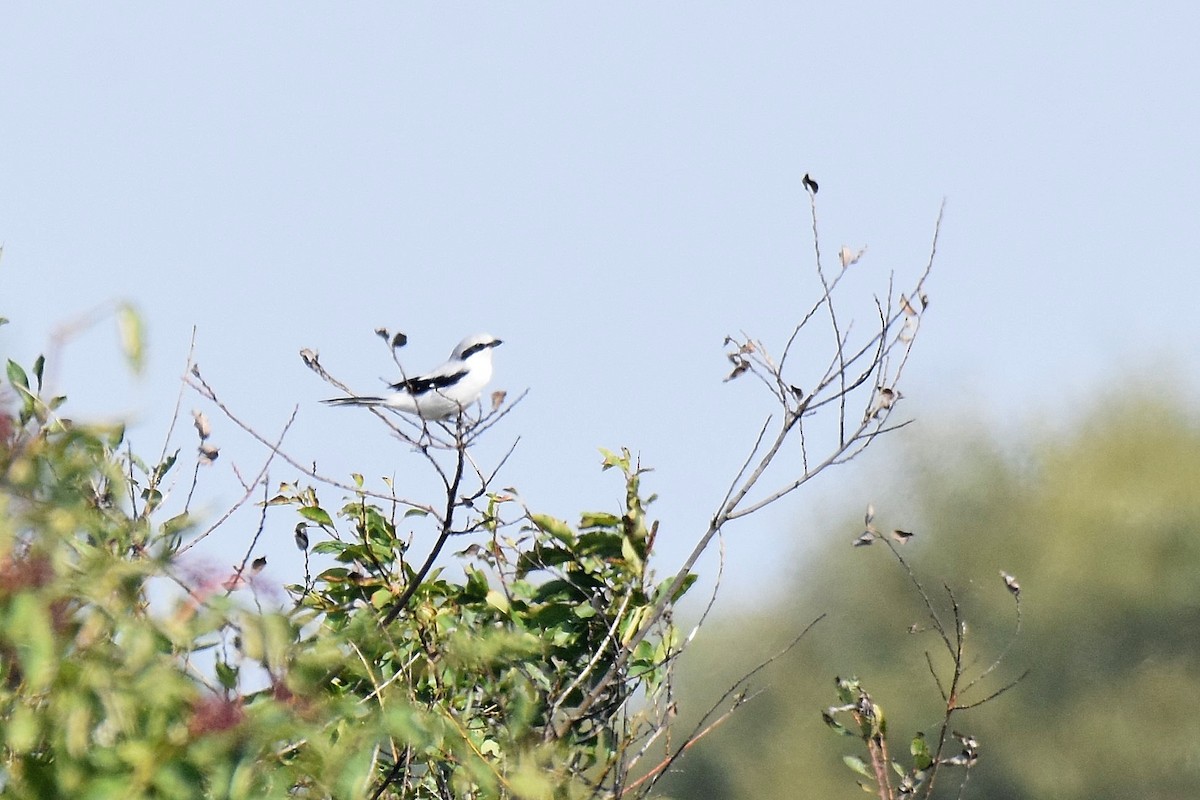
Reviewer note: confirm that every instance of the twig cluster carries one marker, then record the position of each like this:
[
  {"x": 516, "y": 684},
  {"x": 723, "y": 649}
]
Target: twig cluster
[
  {"x": 921, "y": 776},
  {"x": 868, "y": 371}
]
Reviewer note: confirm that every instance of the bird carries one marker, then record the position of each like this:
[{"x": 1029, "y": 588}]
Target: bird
[{"x": 446, "y": 391}]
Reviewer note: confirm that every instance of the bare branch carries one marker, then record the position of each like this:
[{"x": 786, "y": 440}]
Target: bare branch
[
  {"x": 703, "y": 727},
  {"x": 1007, "y": 646},
  {"x": 839, "y": 344},
  {"x": 206, "y": 391},
  {"x": 262, "y": 473},
  {"x": 996, "y": 693}
]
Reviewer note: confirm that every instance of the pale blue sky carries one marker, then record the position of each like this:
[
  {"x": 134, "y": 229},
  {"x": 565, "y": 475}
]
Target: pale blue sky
[{"x": 611, "y": 189}]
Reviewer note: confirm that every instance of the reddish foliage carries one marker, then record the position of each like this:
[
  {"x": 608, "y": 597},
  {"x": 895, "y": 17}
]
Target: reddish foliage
[
  {"x": 21, "y": 572},
  {"x": 214, "y": 714}
]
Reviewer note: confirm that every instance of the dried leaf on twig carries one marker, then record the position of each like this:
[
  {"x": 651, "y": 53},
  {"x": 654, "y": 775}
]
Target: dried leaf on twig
[
  {"x": 850, "y": 256},
  {"x": 740, "y": 365},
  {"x": 395, "y": 342},
  {"x": 310, "y": 358},
  {"x": 203, "y": 426},
  {"x": 885, "y": 398}
]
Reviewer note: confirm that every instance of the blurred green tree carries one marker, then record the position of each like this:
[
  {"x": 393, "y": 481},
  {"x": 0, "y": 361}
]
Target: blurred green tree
[{"x": 1101, "y": 525}]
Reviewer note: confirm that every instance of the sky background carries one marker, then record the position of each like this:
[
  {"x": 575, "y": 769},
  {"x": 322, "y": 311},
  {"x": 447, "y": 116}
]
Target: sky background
[{"x": 612, "y": 190}]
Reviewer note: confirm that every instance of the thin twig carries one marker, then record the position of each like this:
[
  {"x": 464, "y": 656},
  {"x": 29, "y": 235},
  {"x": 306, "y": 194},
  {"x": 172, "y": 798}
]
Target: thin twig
[
  {"x": 262, "y": 473},
  {"x": 700, "y": 731},
  {"x": 996, "y": 693},
  {"x": 240, "y": 570},
  {"x": 207, "y": 392},
  {"x": 837, "y": 335}
]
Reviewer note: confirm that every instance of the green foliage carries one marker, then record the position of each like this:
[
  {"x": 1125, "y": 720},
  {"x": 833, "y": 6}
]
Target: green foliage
[
  {"x": 97, "y": 697},
  {"x": 501, "y": 656},
  {"x": 473, "y": 691}
]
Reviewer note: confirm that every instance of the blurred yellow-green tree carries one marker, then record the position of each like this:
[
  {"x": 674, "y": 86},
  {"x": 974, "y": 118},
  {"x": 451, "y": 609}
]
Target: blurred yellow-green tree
[{"x": 1101, "y": 525}]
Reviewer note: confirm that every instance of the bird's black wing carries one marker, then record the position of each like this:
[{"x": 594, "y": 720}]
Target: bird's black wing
[{"x": 425, "y": 383}]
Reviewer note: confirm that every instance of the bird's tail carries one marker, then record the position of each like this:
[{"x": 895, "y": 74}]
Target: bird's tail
[{"x": 354, "y": 401}]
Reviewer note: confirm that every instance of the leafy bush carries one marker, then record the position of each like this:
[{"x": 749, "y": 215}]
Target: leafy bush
[{"x": 468, "y": 693}]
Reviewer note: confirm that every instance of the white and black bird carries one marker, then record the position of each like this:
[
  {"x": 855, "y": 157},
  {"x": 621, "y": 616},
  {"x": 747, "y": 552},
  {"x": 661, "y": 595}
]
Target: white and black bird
[{"x": 446, "y": 391}]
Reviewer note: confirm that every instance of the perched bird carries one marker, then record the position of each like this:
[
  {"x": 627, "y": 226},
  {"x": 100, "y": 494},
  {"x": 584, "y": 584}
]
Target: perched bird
[{"x": 446, "y": 391}]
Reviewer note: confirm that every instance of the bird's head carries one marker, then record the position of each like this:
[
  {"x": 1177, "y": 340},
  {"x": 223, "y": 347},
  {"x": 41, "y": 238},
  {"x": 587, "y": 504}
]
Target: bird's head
[{"x": 474, "y": 345}]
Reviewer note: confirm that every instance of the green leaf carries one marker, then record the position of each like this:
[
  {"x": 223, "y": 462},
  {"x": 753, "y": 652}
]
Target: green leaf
[
  {"x": 828, "y": 715},
  {"x": 497, "y": 600},
  {"x": 265, "y": 639},
  {"x": 633, "y": 623},
  {"x": 20, "y": 382},
  {"x": 175, "y": 779},
  {"x": 153, "y": 498},
  {"x": 381, "y": 598},
  {"x": 530, "y": 781},
  {"x": 227, "y": 674},
  {"x": 554, "y": 527},
  {"x": 317, "y": 514},
  {"x": 688, "y": 580},
  {"x": 477, "y": 584},
  {"x": 919, "y": 748},
  {"x": 176, "y": 524},
  {"x": 130, "y": 329},
  {"x": 630, "y": 554},
  {"x": 858, "y": 765},
  {"x": 38, "y": 367},
  {"x": 23, "y": 730},
  {"x": 611, "y": 459},
  {"x": 164, "y": 467},
  {"x": 598, "y": 519},
  {"x": 116, "y": 435},
  {"x": 17, "y": 376},
  {"x": 847, "y": 689},
  {"x": 644, "y": 653},
  {"x": 30, "y": 627}
]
